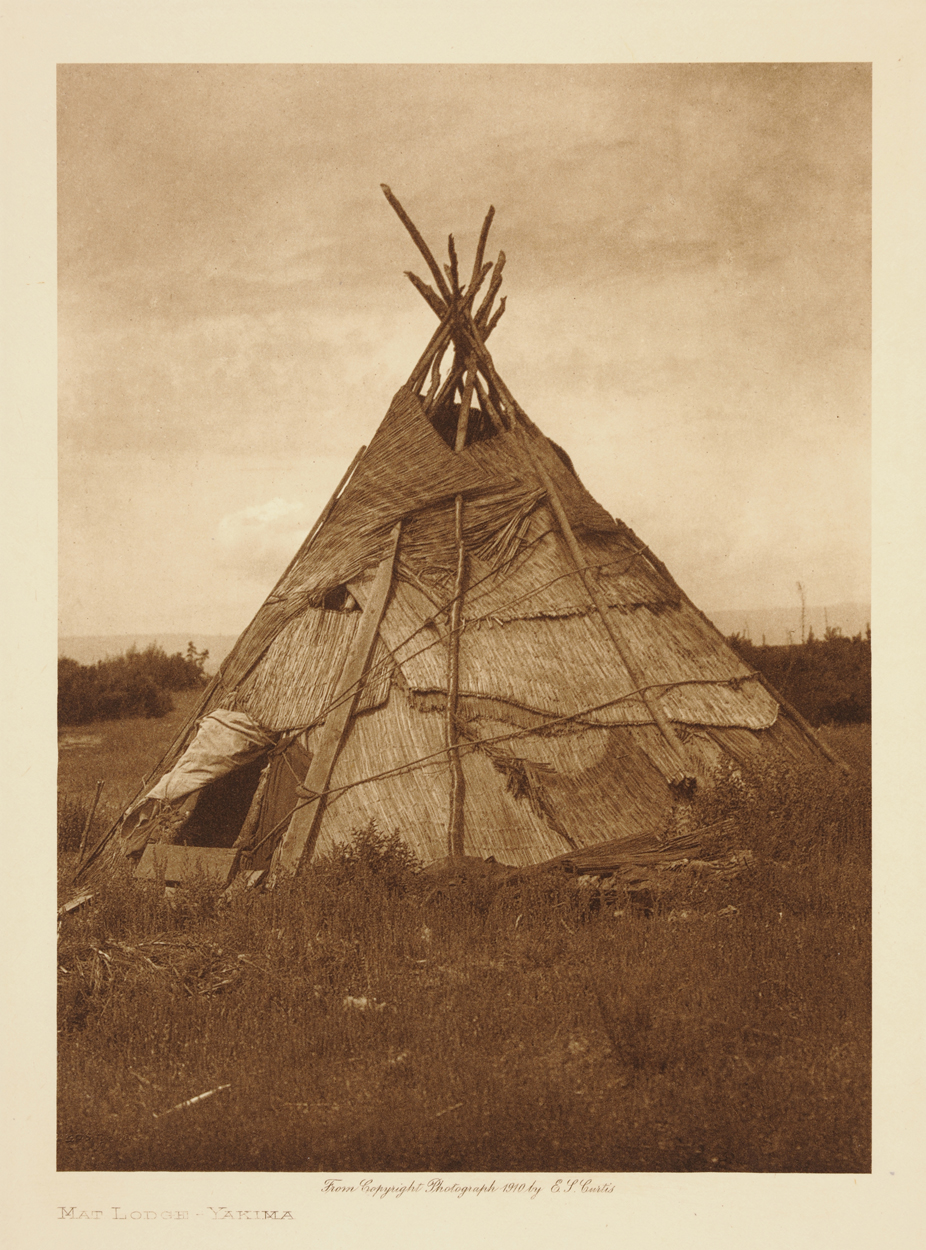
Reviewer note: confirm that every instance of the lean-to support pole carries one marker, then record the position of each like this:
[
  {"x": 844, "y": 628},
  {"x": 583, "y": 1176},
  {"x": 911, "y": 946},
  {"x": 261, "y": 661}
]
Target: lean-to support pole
[
  {"x": 300, "y": 838},
  {"x": 323, "y": 517},
  {"x": 637, "y": 675},
  {"x": 252, "y": 820}
]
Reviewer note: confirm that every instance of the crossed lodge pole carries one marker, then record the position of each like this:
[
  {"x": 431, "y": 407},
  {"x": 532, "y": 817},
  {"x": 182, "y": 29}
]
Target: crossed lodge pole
[{"x": 469, "y": 341}]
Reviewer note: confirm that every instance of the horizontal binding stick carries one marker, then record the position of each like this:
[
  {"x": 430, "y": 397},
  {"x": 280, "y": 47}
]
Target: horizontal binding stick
[{"x": 803, "y": 725}]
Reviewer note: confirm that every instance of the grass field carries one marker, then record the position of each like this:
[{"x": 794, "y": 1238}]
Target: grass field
[{"x": 358, "y": 1021}]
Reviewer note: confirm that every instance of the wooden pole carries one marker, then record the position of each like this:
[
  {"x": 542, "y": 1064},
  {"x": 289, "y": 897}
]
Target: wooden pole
[
  {"x": 442, "y": 334},
  {"x": 805, "y": 727},
  {"x": 435, "y": 377},
  {"x": 637, "y": 675},
  {"x": 252, "y": 819},
  {"x": 486, "y": 305},
  {"x": 455, "y": 376},
  {"x": 465, "y": 402},
  {"x": 323, "y": 517},
  {"x": 438, "y": 344},
  {"x": 496, "y": 318},
  {"x": 486, "y": 404},
  {"x": 89, "y": 820},
  {"x": 427, "y": 293},
  {"x": 565, "y": 526},
  {"x": 453, "y": 379},
  {"x": 455, "y": 831},
  {"x": 299, "y": 840},
  {"x": 419, "y": 243},
  {"x": 481, "y": 245},
  {"x": 454, "y": 271}
]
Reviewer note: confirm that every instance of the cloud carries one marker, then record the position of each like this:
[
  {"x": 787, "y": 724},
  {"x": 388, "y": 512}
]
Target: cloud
[
  {"x": 258, "y": 542},
  {"x": 687, "y": 284},
  {"x": 302, "y": 382}
]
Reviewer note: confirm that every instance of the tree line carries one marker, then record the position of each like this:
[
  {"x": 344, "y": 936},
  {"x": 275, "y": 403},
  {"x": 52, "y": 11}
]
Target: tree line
[
  {"x": 827, "y": 679},
  {"x": 137, "y": 683}
]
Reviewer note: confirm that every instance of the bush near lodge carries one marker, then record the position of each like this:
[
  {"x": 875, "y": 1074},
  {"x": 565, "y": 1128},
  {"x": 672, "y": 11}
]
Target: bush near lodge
[
  {"x": 827, "y": 679},
  {"x": 138, "y": 683}
]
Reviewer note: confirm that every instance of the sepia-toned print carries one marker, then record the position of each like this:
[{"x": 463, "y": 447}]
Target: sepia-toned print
[{"x": 520, "y": 820}]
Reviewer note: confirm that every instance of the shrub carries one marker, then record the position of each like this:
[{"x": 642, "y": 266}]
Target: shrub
[
  {"x": 374, "y": 858},
  {"x": 137, "y": 683},
  {"x": 828, "y": 680}
]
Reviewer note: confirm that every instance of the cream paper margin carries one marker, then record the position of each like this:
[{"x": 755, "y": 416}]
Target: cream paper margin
[{"x": 645, "y": 1209}]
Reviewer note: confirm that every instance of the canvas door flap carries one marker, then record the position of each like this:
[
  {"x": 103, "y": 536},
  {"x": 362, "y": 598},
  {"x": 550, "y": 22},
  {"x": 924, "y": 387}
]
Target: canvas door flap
[
  {"x": 280, "y": 800},
  {"x": 224, "y": 741}
]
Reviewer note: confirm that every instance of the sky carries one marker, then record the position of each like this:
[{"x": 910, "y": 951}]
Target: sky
[{"x": 688, "y": 286}]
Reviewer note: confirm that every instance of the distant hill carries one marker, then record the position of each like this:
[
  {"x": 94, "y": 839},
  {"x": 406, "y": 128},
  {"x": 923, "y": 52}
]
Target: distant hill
[
  {"x": 88, "y": 648},
  {"x": 779, "y": 626}
]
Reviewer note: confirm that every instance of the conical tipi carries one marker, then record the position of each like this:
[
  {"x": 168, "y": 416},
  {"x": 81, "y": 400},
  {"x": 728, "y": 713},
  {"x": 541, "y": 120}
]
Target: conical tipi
[{"x": 467, "y": 648}]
